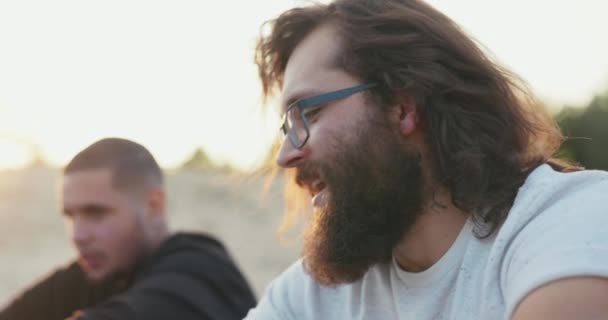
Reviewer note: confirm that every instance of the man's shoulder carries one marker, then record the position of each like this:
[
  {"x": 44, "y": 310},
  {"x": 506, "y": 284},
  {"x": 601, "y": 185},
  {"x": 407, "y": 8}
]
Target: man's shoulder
[
  {"x": 547, "y": 190},
  {"x": 58, "y": 294},
  {"x": 548, "y": 199},
  {"x": 299, "y": 285},
  {"x": 195, "y": 258},
  {"x": 295, "y": 294},
  {"x": 298, "y": 278},
  {"x": 556, "y": 229},
  {"x": 190, "y": 253},
  {"x": 189, "y": 275},
  {"x": 295, "y": 273},
  {"x": 549, "y": 183}
]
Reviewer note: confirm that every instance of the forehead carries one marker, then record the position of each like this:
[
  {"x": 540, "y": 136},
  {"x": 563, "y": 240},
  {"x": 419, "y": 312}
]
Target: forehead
[
  {"x": 88, "y": 186},
  {"x": 312, "y": 69}
]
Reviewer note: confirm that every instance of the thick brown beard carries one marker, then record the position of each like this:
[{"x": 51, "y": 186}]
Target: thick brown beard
[{"x": 374, "y": 186}]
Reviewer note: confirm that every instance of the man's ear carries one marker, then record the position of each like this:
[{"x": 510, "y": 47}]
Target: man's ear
[
  {"x": 408, "y": 115},
  {"x": 156, "y": 201}
]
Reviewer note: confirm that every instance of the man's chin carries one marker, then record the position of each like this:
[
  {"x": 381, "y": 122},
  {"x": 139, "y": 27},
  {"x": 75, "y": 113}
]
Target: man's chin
[{"x": 95, "y": 277}]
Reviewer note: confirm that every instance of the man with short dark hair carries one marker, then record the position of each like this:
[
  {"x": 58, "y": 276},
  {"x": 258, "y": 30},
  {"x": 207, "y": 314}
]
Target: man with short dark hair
[
  {"x": 433, "y": 189},
  {"x": 130, "y": 266}
]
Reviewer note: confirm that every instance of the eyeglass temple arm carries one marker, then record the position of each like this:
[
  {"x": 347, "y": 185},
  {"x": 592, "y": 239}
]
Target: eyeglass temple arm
[{"x": 313, "y": 101}]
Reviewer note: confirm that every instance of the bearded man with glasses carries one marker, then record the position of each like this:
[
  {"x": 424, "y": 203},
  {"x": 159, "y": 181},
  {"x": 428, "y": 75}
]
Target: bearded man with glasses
[{"x": 430, "y": 172}]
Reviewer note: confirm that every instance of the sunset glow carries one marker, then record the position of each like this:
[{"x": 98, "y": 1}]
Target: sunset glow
[{"x": 178, "y": 75}]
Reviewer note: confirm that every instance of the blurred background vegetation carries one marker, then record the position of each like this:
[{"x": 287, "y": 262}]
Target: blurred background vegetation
[{"x": 585, "y": 129}]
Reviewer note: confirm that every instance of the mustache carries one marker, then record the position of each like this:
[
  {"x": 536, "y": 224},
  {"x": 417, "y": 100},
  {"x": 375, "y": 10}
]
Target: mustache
[
  {"x": 90, "y": 252},
  {"x": 306, "y": 173}
]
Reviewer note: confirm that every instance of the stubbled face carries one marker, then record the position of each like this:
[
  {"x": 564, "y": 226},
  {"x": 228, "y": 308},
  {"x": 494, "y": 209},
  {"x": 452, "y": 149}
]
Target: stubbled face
[
  {"x": 363, "y": 181},
  {"x": 106, "y": 225}
]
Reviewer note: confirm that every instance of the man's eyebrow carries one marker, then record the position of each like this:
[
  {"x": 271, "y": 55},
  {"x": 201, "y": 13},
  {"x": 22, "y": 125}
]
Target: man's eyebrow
[
  {"x": 94, "y": 207},
  {"x": 89, "y": 207},
  {"x": 299, "y": 95}
]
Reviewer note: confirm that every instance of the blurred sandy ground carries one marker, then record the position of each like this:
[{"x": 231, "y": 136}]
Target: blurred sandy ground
[{"x": 230, "y": 206}]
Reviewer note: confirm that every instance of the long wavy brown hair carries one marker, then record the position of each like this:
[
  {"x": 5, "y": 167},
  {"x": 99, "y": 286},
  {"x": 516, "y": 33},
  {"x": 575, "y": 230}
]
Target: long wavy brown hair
[{"x": 485, "y": 130}]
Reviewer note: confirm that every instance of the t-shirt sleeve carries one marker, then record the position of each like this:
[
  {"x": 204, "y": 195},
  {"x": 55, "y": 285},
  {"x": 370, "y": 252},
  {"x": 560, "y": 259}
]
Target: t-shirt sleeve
[
  {"x": 568, "y": 238},
  {"x": 283, "y": 297}
]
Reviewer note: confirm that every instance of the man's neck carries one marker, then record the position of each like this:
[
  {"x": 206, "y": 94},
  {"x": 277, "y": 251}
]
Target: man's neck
[
  {"x": 159, "y": 238},
  {"x": 152, "y": 246},
  {"x": 432, "y": 235}
]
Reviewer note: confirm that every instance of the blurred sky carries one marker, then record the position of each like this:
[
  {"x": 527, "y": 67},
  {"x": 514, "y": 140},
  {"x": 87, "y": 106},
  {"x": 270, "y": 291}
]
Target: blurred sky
[{"x": 175, "y": 75}]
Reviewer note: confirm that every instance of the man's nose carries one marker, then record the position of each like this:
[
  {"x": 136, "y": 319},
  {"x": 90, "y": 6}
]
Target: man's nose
[
  {"x": 290, "y": 156},
  {"x": 81, "y": 230}
]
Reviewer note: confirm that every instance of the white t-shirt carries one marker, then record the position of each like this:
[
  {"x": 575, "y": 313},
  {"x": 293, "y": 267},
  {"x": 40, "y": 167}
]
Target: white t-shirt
[{"x": 557, "y": 228}]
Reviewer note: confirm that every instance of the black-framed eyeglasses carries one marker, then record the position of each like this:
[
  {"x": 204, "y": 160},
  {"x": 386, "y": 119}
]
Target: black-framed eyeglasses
[{"x": 295, "y": 121}]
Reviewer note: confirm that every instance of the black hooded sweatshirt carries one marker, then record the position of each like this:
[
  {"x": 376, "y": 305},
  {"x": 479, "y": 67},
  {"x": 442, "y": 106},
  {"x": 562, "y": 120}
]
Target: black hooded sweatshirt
[{"x": 190, "y": 276}]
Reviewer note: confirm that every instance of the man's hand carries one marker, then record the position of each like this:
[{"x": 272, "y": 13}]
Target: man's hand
[{"x": 77, "y": 315}]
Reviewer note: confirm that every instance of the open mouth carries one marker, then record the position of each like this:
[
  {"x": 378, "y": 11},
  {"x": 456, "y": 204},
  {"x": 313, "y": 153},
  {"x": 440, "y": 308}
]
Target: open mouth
[
  {"x": 318, "y": 193},
  {"x": 90, "y": 261},
  {"x": 311, "y": 181}
]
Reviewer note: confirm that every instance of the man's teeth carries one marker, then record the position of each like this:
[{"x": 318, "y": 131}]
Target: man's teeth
[{"x": 318, "y": 199}]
